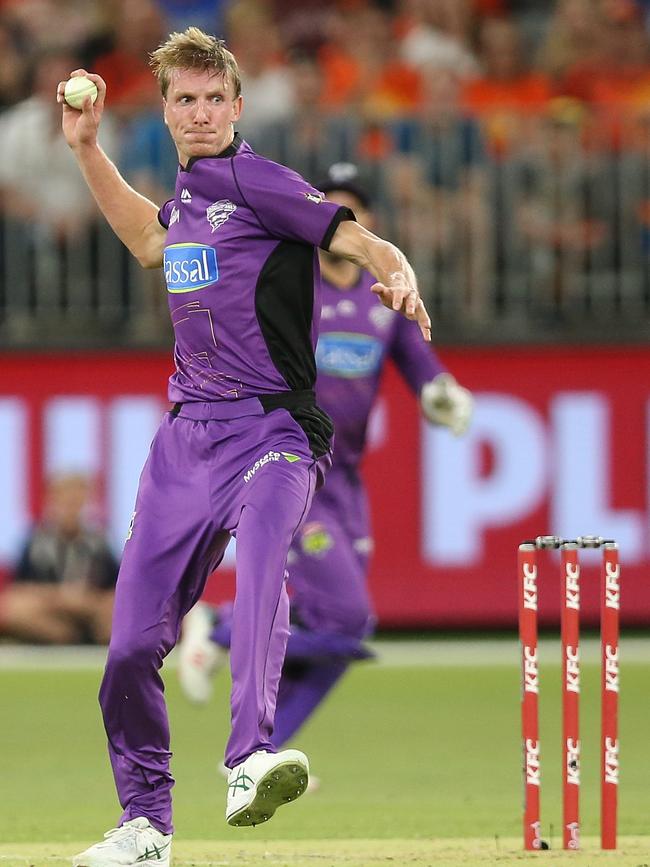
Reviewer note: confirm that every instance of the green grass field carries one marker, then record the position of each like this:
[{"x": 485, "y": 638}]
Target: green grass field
[{"x": 420, "y": 764}]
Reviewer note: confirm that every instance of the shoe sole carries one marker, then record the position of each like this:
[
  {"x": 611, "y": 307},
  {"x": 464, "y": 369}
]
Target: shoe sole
[
  {"x": 148, "y": 863},
  {"x": 93, "y": 862},
  {"x": 279, "y": 785}
]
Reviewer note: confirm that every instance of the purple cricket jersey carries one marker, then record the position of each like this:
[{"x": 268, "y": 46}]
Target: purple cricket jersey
[
  {"x": 242, "y": 276},
  {"x": 357, "y": 335}
]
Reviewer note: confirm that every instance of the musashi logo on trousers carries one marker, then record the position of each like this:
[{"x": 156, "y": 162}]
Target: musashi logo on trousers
[{"x": 269, "y": 457}]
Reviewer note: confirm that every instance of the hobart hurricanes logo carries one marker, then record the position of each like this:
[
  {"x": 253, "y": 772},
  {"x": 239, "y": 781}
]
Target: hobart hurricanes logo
[
  {"x": 219, "y": 212},
  {"x": 189, "y": 267}
]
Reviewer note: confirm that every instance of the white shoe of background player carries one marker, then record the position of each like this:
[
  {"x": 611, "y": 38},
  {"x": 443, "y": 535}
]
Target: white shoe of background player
[
  {"x": 136, "y": 844},
  {"x": 199, "y": 659}
]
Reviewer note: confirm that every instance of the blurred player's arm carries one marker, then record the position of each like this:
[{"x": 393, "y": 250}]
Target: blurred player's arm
[
  {"x": 396, "y": 284},
  {"x": 443, "y": 401},
  {"x": 133, "y": 218}
]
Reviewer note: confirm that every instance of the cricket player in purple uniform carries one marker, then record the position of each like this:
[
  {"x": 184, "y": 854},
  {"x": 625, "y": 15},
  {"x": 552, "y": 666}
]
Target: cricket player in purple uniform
[
  {"x": 245, "y": 445},
  {"x": 328, "y": 564}
]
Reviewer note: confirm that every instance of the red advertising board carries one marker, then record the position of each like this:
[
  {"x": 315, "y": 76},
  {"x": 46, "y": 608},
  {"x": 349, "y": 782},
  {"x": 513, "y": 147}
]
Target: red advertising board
[{"x": 560, "y": 444}]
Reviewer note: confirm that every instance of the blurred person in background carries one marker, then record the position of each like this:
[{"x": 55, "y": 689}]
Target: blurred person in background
[
  {"x": 573, "y": 38},
  {"x": 313, "y": 138},
  {"x": 62, "y": 588},
  {"x": 438, "y": 183},
  {"x": 562, "y": 217},
  {"x": 363, "y": 72},
  {"x": 266, "y": 81},
  {"x": 437, "y": 33},
  {"x": 509, "y": 97},
  {"x": 40, "y": 183},
  {"x": 56, "y": 25},
  {"x": 617, "y": 75},
  {"x": 331, "y": 611},
  {"x": 303, "y": 26},
  {"x": 15, "y": 64},
  {"x": 631, "y": 183},
  {"x": 147, "y": 158},
  {"x": 50, "y": 218},
  {"x": 137, "y": 28}
]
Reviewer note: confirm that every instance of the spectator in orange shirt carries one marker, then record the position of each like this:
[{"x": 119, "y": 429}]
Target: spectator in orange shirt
[
  {"x": 620, "y": 59},
  {"x": 619, "y": 75},
  {"x": 362, "y": 69},
  {"x": 509, "y": 98}
]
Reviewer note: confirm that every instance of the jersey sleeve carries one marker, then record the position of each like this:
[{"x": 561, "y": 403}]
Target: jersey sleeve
[
  {"x": 416, "y": 360},
  {"x": 286, "y": 206},
  {"x": 164, "y": 214}
]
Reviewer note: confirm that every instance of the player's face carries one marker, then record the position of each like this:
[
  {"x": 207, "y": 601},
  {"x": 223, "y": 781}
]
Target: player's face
[{"x": 199, "y": 111}]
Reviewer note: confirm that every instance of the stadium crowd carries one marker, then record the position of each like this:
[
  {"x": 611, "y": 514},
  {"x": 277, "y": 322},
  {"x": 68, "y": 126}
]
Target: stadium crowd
[{"x": 507, "y": 142}]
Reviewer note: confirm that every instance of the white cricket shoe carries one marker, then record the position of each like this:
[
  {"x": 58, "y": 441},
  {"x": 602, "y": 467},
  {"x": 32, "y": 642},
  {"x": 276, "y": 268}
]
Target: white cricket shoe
[
  {"x": 264, "y": 782},
  {"x": 199, "y": 659},
  {"x": 313, "y": 784},
  {"x": 136, "y": 844}
]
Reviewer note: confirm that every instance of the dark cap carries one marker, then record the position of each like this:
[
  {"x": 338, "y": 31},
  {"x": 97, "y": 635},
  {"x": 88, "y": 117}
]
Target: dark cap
[{"x": 344, "y": 178}]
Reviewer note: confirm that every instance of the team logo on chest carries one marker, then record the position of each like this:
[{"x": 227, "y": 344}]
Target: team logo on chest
[
  {"x": 219, "y": 212},
  {"x": 175, "y": 216}
]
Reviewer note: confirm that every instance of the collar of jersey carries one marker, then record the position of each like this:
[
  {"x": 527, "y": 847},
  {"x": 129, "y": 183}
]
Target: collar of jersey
[{"x": 230, "y": 151}]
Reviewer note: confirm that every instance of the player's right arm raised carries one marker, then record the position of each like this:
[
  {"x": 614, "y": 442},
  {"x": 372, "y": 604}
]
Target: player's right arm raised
[{"x": 133, "y": 218}]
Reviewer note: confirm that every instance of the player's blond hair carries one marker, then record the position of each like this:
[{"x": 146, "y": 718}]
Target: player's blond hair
[{"x": 194, "y": 49}]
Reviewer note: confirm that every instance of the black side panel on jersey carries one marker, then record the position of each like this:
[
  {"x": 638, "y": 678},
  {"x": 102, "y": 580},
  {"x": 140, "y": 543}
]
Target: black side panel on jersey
[{"x": 284, "y": 306}]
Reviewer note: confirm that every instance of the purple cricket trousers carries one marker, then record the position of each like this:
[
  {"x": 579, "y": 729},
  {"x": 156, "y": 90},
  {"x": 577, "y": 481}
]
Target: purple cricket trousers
[
  {"x": 331, "y": 607},
  {"x": 215, "y": 470}
]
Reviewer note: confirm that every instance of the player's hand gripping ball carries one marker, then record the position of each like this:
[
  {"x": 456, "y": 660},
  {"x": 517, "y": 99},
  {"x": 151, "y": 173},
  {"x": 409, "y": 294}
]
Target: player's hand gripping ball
[{"x": 77, "y": 89}]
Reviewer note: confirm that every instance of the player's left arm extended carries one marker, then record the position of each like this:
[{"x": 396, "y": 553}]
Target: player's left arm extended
[{"x": 396, "y": 283}]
